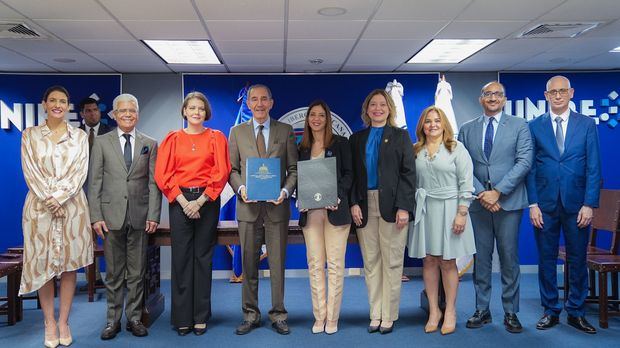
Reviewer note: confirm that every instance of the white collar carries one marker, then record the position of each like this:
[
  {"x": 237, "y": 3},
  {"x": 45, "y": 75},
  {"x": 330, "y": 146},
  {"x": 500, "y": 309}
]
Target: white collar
[
  {"x": 120, "y": 132},
  {"x": 564, "y": 115}
]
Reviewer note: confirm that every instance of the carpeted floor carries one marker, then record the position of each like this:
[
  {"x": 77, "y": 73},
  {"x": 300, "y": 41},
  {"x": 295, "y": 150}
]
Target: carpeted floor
[{"x": 87, "y": 320}]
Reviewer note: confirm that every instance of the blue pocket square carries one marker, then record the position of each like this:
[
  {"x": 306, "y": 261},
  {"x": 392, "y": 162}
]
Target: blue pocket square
[{"x": 145, "y": 150}]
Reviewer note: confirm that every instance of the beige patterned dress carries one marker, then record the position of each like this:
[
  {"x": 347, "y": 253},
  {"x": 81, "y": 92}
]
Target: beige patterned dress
[{"x": 54, "y": 245}]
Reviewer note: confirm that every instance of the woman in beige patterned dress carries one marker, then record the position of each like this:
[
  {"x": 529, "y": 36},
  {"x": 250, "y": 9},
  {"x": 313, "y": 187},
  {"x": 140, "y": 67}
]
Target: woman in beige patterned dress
[{"x": 56, "y": 226}]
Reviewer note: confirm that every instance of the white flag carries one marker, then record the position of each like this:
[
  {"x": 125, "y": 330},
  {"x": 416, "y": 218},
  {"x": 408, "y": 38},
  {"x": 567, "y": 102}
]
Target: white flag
[
  {"x": 396, "y": 90},
  {"x": 443, "y": 100}
]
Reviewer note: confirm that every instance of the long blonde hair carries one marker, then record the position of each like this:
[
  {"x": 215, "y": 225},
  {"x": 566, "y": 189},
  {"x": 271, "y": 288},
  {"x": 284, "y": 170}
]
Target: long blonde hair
[
  {"x": 448, "y": 133},
  {"x": 391, "y": 120}
]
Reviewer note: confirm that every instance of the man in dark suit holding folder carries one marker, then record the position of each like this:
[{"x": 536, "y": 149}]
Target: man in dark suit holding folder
[{"x": 262, "y": 137}]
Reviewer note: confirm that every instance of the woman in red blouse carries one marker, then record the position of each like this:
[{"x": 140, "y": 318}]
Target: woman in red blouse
[{"x": 192, "y": 170}]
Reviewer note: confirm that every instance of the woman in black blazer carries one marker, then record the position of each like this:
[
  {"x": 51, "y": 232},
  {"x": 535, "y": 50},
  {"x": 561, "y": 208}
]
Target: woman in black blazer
[
  {"x": 382, "y": 202},
  {"x": 326, "y": 231}
]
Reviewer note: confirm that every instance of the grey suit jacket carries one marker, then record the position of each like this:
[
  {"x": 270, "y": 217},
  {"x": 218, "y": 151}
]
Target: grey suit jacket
[
  {"x": 114, "y": 191},
  {"x": 242, "y": 144},
  {"x": 511, "y": 159}
]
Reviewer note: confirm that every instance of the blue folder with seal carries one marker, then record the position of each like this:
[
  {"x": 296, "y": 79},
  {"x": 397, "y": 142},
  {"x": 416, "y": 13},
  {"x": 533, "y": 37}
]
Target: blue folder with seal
[{"x": 262, "y": 178}]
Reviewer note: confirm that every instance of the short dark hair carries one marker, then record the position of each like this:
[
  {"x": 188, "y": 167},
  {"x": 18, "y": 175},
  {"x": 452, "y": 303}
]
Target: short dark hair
[
  {"x": 87, "y": 101},
  {"x": 55, "y": 88}
]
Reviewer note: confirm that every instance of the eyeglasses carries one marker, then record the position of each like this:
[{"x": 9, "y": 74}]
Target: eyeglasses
[
  {"x": 562, "y": 91},
  {"x": 495, "y": 94},
  {"x": 124, "y": 111}
]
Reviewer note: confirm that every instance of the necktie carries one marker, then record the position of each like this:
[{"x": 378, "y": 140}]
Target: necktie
[
  {"x": 91, "y": 138},
  {"x": 260, "y": 142},
  {"x": 488, "y": 138},
  {"x": 559, "y": 134},
  {"x": 127, "y": 150}
]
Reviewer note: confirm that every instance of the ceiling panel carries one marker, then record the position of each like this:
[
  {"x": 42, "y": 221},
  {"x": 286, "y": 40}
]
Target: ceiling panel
[
  {"x": 255, "y": 68},
  {"x": 601, "y": 61},
  {"x": 317, "y": 47},
  {"x": 248, "y": 47},
  {"x": 308, "y": 10},
  {"x": 83, "y": 63},
  {"x": 252, "y": 59},
  {"x": 140, "y": 68},
  {"x": 312, "y": 69},
  {"x": 304, "y": 59},
  {"x": 121, "y": 58},
  {"x": 12, "y": 61},
  {"x": 28, "y": 47},
  {"x": 110, "y": 46},
  {"x": 383, "y": 58},
  {"x": 154, "y": 10},
  {"x": 166, "y": 29},
  {"x": 246, "y": 30},
  {"x": 389, "y": 46},
  {"x": 608, "y": 30},
  {"x": 6, "y": 13},
  {"x": 584, "y": 11},
  {"x": 403, "y": 29},
  {"x": 507, "y": 10},
  {"x": 524, "y": 45},
  {"x": 86, "y": 30},
  {"x": 325, "y": 29},
  {"x": 426, "y": 67},
  {"x": 60, "y": 9},
  {"x": 197, "y": 68},
  {"x": 371, "y": 68},
  {"x": 421, "y": 9},
  {"x": 480, "y": 29},
  {"x": 241, "y": 9}
]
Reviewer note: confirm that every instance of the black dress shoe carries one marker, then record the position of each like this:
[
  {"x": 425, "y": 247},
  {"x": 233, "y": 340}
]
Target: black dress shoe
[
  {"x": 137, "y": 328},
  {"x": 386, "y": 330},
  {"x": 246, "y": 326},
  {"x": 580, "y": 323},
  {"x": 547, "y": 321},
  {"x": 182, "y": 331},
  {"x": 200, "y": 331},
  {"x": 281, "y": 327},
  {"x": 478, "y": 319},
  {"x": 512, "y": 323},
  {"x": 372, "y": 329},
  {"x": 110, "y": 331}
]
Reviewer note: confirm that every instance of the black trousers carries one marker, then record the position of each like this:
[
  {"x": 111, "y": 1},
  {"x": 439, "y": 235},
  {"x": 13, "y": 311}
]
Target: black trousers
[{"x": 193, "y": 242}]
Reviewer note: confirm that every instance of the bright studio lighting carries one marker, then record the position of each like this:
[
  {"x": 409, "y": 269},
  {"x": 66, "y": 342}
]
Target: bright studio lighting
[{"x": 184, "y": 52}]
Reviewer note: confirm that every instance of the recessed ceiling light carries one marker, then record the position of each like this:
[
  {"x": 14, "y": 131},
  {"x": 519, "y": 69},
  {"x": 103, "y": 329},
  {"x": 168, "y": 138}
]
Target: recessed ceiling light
[
  {"x": 615, "y": 50},
  {"x": 332, "y": 11},
  {"x": 315, "y": 61},
  {"x": 184, "y": 52},
  {"x": 64, "y": 60},
  {"x": 449, "y": 51}
]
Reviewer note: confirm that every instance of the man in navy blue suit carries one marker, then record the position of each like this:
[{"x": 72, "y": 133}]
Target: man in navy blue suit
[{"x": 562, "y": 188}]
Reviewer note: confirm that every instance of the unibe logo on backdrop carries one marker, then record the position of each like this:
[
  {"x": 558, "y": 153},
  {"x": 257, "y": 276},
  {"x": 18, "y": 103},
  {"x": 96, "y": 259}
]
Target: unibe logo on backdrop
[
  {"x": 297, "y": 117},
  {"x": 603, "y": 111}
]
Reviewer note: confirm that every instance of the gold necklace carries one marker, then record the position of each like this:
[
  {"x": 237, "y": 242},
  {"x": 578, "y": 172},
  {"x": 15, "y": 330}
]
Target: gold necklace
[{"x": 191, "y": 138}]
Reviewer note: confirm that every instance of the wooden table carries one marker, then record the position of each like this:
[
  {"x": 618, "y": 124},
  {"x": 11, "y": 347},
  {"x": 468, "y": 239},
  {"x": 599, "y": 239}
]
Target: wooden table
[
  {"x": 227, "y": 234},
  {"x": 11, "y": 267}
]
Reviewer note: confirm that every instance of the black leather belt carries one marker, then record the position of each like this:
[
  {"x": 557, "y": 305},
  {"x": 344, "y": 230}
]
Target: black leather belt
[{"x": 192, "y": 189}]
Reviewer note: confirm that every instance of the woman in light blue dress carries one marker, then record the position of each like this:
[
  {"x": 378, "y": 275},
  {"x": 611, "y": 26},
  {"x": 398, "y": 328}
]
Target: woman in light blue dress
[{"x": 441, "y": 231}]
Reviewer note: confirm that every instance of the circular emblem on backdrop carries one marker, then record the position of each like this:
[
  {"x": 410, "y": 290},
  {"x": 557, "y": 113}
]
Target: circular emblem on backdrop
[{"x": 297, "y": 117}]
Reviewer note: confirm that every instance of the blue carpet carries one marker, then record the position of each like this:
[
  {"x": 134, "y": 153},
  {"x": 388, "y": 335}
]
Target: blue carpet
[{"x": 87, "y": 320}]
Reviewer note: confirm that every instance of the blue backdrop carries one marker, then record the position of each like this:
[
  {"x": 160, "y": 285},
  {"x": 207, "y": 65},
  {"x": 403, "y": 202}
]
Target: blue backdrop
[
  {"x": 20, "y": 106},
  {"x": 596, "y": 95},
  {"x": 343, "y": 93}
]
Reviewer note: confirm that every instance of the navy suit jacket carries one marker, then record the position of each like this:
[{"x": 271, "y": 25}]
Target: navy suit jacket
[{"x": 575, "y": 176}]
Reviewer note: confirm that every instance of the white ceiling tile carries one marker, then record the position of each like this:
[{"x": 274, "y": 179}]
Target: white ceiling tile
[
  {"x": 32, "y": 46},
  {"x": 86, "y": 29},
  {"x": 110, "y": 46},
  {"x": 371, "y": 68},
  {"x": 246, "y": 30},
  {"x": 319, "y": 46},
  {"x": 584, "y": 11},
  {"x": 255, "y": 68},
  {"x": 377, "y": 46},
  {"x": 252, "y": 59},
  {"x": 304, "y": 59},
  {"x": 151, "y": 9},
  {"x": 529, "y": 45},
  {"x": 7, "y": 14},
  {"x": 608, "y": 30},
  {"x": 426, "y": 67},
  {"x": 325, "y": 29},
  {"x": 60, "y": 9},
  {"x": 507, "y": 10},
  {"x": 12, "y": 61},
  {"x": 403, "y": 29},
  {"x": 241, "y": 9},
  {"x": 166, "y": 29},
  {"x": 308, "y": 10},
  {"x": 421, "y": 9},
  {"x": 602, "y": 61},
  {"x": 383, "y": 58},
  {"x": 83, "y": 63},
  {"x": 197, "y": 68},
  {"x": 248, "y": 47},
  {"x": 140, "y": 68},
  {"x": 147, "y": 58},
  {"x": 480, "y": 29},
  {"x": 591, "y": 45},
  {"x": 312, "y": 69},
  {"x": 496, "y": 66}
]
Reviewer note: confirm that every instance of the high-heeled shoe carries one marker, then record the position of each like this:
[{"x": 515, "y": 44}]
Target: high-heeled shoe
[
  {"x": 51, "y": 336},
  {"x": 318, "y": 327},
  {"x": 67, "y": 340},
  {"x": 449, "y": 324},
  {"x": 384, "y": 330},
  {"x": 374, "y": 326},
  {"x": 331, "y": 327},
  {"x": 432, "y": 326}
]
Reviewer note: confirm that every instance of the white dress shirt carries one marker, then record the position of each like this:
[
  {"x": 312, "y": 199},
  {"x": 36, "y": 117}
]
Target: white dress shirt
[
  {"x": 486, "y": 119},
  {"x": 122, "y": 140},
  {"x": 564, "y": 117}
]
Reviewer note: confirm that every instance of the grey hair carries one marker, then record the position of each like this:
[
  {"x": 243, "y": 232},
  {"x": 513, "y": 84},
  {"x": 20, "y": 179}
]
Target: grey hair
[
  {"x": 557, "y": 77},
  {"x": 258, "y": 85},
  {"x": 493, "y": 83},
  {"x": 125, "y": 97}
]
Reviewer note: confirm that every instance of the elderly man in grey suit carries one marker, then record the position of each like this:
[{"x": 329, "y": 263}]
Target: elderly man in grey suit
[
  {"x": 263, "y": 137},
  {"x": 124, "y": 206},
  {"x": 500, "y": 147}
]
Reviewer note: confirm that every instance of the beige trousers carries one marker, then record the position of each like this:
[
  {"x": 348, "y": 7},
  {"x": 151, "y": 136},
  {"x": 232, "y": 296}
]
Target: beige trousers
[
  {"x": 325, "y": 243},
  {"x": 383, "y": 249}
]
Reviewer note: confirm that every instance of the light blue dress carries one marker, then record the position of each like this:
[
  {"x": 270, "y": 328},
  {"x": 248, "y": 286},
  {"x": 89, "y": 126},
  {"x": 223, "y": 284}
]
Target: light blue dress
[{"x": 442, "y": 184}]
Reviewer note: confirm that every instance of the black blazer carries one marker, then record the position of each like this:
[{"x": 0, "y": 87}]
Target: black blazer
[
  {"x": 342, "y": 151},
  {"x": 396, "y": 177},
  {"x": 103, "y": 128}
]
